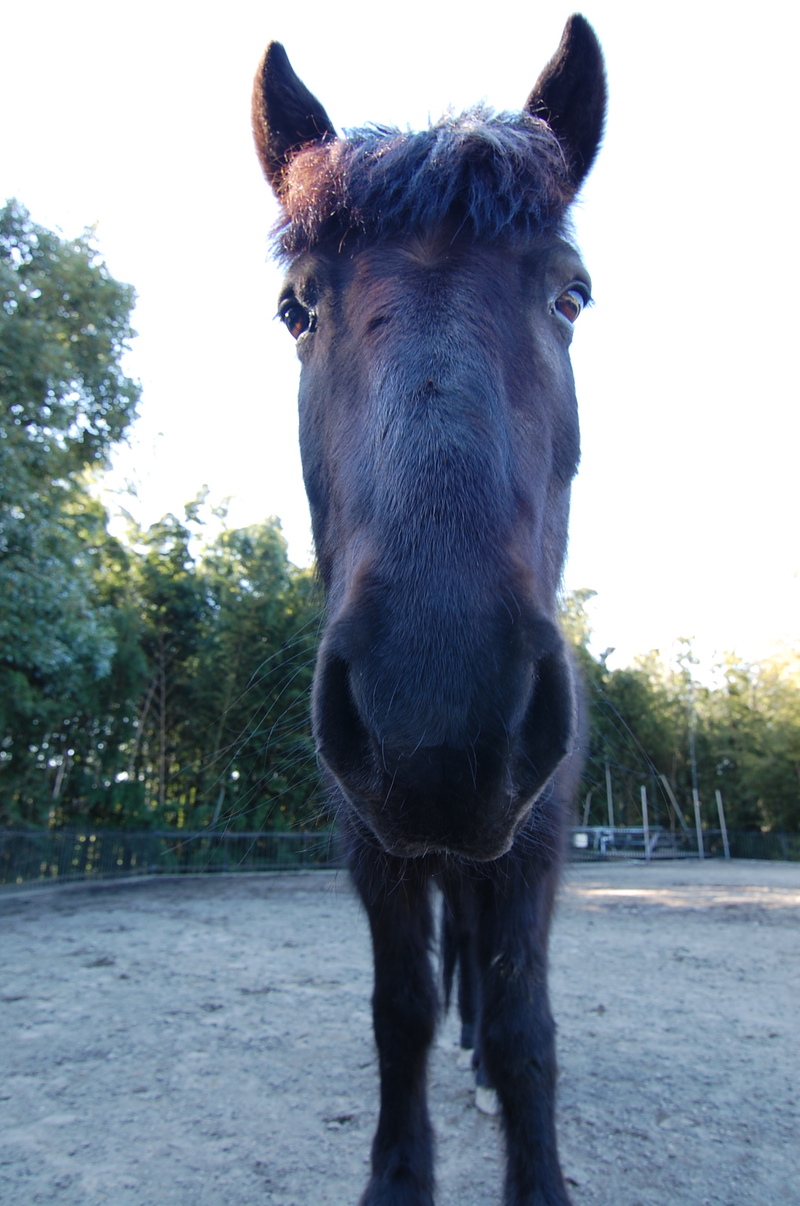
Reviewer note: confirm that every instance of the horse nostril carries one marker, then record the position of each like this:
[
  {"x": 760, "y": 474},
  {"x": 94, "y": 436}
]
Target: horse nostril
[
  {"x": 342, "y": 738},
  {"x": 549, "y": 726}
]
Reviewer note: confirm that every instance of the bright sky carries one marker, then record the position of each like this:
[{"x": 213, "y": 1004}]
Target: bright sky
[{"x": 685, "y": 512}]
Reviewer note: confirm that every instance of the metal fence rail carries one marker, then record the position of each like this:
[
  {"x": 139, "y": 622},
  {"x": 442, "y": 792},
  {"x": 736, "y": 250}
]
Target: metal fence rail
[
  {"x": 45, "y": 856},
  {"x": 597, "y": 843}
]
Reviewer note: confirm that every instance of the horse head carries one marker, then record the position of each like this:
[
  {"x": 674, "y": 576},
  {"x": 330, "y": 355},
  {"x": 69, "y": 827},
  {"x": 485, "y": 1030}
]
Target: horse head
[{"x": 432, "y": 291}]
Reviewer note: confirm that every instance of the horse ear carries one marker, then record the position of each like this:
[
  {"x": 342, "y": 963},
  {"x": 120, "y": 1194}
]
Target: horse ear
[
  {"x": 286, "y": 115},
  {"x": 570, "y": 95}
]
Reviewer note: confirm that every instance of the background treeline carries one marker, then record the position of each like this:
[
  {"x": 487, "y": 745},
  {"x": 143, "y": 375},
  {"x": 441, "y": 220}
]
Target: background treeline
[
  {"x": 155, "y": 681},
  {"x": 187, "y": 701},
  {"x": 738, "y": 732},
  {"x": 163, "y": 679}
]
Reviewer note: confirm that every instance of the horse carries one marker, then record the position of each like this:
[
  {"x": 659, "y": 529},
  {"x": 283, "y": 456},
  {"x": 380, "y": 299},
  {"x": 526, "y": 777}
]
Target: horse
[{"x": 431, "y": 290}]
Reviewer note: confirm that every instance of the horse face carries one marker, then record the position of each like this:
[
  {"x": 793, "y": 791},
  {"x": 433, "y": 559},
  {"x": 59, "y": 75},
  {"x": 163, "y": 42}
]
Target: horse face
[
  {"x": 439, "y": 436},
  {"x": 432, "y": 300}
]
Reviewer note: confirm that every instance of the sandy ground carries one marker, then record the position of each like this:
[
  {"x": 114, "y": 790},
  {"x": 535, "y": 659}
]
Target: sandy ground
[{"x": 200, "y": 1042}]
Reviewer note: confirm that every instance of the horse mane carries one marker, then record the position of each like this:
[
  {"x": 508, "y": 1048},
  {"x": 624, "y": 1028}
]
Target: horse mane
[{"x": 492, "y": 176}]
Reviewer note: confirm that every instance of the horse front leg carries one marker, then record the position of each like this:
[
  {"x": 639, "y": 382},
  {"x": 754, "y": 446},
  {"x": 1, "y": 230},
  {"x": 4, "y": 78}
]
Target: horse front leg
[
  {"x": 404, "y": 1006},
  {"x": 517, "y": 1027},
  {"x": 459, "y": 956}
]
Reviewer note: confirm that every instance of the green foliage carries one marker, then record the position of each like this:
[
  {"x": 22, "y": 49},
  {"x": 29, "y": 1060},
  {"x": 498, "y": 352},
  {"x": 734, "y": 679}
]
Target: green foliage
[
  {"x": 64, "y": 401},
  {"x": 222, "y": 732},
  {"x": 64, "y": 326},
  {"x": 199, "y": 715},
  {"x": 258, "y": 663},
  {"x": 753, "y": 726},
  {"x": 143, "y": 683},
  {"x": 741, "y": 736}
]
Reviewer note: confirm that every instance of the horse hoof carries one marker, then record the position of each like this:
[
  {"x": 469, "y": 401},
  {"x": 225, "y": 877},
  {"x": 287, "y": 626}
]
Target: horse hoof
[
  {"x": 464, "y": 1057},
  {"x": 486, "y": 1100}
]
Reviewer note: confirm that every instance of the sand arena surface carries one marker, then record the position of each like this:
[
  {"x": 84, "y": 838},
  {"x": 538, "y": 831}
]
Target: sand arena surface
[{"x": 207, "y": 1041}]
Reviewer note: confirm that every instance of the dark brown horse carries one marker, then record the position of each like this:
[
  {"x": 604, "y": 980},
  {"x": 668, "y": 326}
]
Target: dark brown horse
[{"x": 432, "y": 291}]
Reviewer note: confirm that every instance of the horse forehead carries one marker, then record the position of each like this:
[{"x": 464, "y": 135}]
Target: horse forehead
[
  {"x": 438, "y": 265},
  {"x": 414, "y": 260}
]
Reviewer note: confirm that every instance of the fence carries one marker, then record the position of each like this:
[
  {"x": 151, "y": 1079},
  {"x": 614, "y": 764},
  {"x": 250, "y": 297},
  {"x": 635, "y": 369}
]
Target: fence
[
  {"x": 594, "y": 843},
  {"x": 45, "y": 856}
]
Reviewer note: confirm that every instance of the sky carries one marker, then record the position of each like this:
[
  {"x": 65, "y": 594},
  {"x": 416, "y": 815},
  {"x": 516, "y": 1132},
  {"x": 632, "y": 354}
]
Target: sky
[{"x": 685, "y": 510}]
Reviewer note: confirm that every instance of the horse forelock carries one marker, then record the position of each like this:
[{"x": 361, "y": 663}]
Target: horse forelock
[{"x": 491, "y": 176}]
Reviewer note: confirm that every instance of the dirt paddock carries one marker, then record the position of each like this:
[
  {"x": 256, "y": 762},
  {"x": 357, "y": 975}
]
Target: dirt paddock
[{"x": 206, "y": 1041}]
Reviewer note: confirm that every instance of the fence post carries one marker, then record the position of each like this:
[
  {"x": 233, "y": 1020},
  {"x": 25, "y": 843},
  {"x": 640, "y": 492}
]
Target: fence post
[
  {"x": 674, "y": 803},
  {"x": 610, "y": 798},
  {"x": 722, "y": 825},
  {"x": 696, "y": 798},
  {"x": 645, "y": 824}
]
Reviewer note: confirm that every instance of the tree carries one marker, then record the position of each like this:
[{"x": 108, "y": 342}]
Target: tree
[
  {"x": 753, "y": 727},
  {"x": 173, "y": 608},
  {"x": 229, "y": 631},
  {"x": 255, "y": 684},
  {"x": 64, "y": 401},
  {"x": 64, "y": 327},
  {"x": 740, "y": 736}
]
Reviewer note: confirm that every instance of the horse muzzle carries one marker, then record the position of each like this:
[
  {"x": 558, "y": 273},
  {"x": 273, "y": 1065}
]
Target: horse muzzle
[{"x": 467, "y": 795}]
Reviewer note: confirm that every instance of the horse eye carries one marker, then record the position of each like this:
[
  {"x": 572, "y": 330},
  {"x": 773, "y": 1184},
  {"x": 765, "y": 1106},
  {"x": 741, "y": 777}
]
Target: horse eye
[
  {"x": 295, "y": 318},
  {"x": 570, "y": 304}
]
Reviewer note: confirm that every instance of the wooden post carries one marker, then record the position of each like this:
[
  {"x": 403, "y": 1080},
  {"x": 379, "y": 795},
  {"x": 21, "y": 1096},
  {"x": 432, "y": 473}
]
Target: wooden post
[
  {"x": 610, "y": 798},
  {"x": 587, "y": 807},
  {"x": 674, "y": 803},
  {"x": 696, "y": 798},
  {"x": 645, "y": 824},
  {"x": 722, "y": 824}
]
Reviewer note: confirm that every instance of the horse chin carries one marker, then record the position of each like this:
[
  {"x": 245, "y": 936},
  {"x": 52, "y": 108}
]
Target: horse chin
[
  {"x": 481, "y": 842},
  {"x": 400, "y": 846}
]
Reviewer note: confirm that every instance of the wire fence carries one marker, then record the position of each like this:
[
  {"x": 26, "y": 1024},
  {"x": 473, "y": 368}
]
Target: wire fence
[{"x": 48, "y": 856}]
